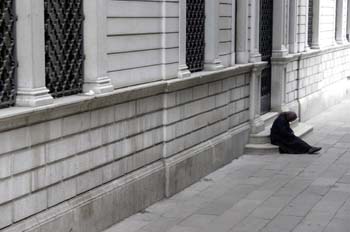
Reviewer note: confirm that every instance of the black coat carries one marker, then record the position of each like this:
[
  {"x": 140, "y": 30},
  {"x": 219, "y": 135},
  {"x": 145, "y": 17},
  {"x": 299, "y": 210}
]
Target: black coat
[{"x": 283, "y": 136}]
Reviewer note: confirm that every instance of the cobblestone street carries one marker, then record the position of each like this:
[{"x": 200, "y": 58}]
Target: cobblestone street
[{"x": 267, "y": 193}]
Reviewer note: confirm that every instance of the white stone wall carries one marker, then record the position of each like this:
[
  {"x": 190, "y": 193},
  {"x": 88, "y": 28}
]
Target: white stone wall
[
  {"x": 322, "y": 71},
  {"x": 301, "y": 19},
  {"x": 316, "y": 73},
  {"x": 121, "y": 140},
  {"x": 142, "y": 36},
  {"x": 225, "y": 33},
  {"x": 317, "y": 80},
  {"x": 327, "y": 23},
  {"x": 205, "y": 111},
  {"x": 291, "y": 81}
]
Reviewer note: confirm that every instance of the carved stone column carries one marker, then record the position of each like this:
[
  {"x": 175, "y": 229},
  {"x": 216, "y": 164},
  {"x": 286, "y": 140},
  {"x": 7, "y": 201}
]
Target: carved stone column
[
  {"x": 257, "y": 124},
  {"x": 280, "y": 31},
  {"x": 316, "y": 25},
  {"x": 242, "y": 49},
  {"x": 96, "y": 77},
  {"x": 31, "y": 90},
  {"x": 254, "y": 56},
  {"x": 211, "y": 60},
  {"x": 183, "y": 71}
]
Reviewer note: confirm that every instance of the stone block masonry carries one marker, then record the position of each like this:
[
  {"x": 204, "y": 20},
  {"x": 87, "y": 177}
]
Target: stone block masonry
[
  {"x": 316, "y": 80},
  {"x": 85, "y": 165}
]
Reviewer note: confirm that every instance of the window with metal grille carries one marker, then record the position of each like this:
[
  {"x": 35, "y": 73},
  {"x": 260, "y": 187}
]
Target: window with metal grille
[
  {"x": 64, "y": 56},
  {"x": 8, "y": 62},
  {"x": 310, "y": 21},
  {"x": 195, "y": 29}
]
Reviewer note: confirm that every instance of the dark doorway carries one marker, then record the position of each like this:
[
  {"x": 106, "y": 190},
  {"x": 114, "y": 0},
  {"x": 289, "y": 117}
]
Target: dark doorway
[{"x": 266, "y": 14}]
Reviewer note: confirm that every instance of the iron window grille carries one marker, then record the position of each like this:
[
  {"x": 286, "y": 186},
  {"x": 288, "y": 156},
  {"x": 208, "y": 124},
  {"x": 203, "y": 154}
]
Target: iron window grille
[
  {"x": 266, "y": 13},
  {"x": 8, "y": 61},
  {"x": 265, "y": 47},
  {"x": 310, "y": 22},
  {"x": 195, "y": 29},
  {"x": 64, "y": 56}
]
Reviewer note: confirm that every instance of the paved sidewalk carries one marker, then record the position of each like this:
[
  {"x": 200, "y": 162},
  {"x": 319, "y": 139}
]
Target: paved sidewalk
[{"x": 270, "y": 193}]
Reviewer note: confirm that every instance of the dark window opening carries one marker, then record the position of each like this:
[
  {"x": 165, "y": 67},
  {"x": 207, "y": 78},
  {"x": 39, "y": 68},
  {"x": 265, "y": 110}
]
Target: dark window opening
[
  {"x": 64, "y": 57},
  {"x": 8, "y": 61},
  {"x": 195, "y": 29}
]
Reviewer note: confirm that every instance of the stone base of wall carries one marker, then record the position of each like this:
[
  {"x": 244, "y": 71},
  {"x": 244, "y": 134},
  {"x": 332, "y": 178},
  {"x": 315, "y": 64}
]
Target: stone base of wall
[
  {"x": 100, "y": 208},
  {"x": 110, "y": 203},
  {"x": 188, "y": 167},
  {"x": 316, "y": 103}
]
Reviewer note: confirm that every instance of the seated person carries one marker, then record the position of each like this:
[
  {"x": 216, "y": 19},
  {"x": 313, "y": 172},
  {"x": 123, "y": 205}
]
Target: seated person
[{"x": 283, "y": 136}]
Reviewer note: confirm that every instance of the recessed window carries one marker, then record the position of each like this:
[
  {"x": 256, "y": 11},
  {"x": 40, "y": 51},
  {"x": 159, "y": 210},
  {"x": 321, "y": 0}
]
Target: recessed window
[{"x": 195, "y": 29}]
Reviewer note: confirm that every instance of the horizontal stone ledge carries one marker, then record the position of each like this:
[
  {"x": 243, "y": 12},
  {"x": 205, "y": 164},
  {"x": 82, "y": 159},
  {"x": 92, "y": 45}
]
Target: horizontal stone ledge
[
  {"x": 305, "y": 55},
  {"x": 16, "y": 117}
]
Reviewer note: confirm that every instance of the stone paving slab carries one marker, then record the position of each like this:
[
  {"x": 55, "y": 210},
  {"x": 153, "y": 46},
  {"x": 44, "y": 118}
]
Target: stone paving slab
[{"x": 266, "y": 193}]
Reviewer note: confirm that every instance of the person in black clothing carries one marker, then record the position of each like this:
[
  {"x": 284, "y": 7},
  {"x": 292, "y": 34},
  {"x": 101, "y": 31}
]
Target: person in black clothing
[{"x": 283, "y": 136}]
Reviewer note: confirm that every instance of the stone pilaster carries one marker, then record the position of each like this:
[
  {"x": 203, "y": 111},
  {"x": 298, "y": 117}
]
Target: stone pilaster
[
  {"x": 96, "y": 77},
  {"x": 254, "y": 56},
  {"x": 256, "y": 123},
  {"x": 242, "y": 51},
  {"x": 233, "y": 34},
  {"x": 316, "y": 24},
  {"x": 293, "y": 26},
  {"x": 31, "y": 89},
  {"x": 348, "y": 21},
  {"x": 306, "y": 44},
  {"x": 280, "y": 31},
  {"x": 183, "y": 71},
  {"x": 211, "y": 60},
  {"x": 340, "y": 28},
  {"x": 278, "y": 83}
]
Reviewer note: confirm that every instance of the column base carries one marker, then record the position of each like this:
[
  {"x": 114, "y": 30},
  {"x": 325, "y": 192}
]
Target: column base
[
  {"x": 242, "y": 57},
  {"x": 293, "y": 48},
  {"x": 33, "y": 97},
  {"x": 183, "y": 72},
  {"x": 233, "y": 59},
  {"x": 315, "y": 46},
  {"x": 100, "y": 86},
  {"x": 341, "y": 42},
  {"x": 213, "y": 66},
  {"x": 255, "y": 58},
  {"x": 257, "y": 125},
  {"x": 279, "y": 53}
]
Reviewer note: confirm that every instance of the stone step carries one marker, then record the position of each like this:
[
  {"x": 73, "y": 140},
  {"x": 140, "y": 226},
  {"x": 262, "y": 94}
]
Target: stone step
[
  {"x": 265, "y": 147},
  {"x": 264, "y": 136}
]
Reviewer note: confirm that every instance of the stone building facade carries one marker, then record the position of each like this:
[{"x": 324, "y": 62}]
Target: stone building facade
[{"x": 111, "y": 105}]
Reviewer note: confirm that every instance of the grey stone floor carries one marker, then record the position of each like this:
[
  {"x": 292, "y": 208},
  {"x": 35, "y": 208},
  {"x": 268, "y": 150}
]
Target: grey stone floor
[{"x": 267, "y": 193}]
